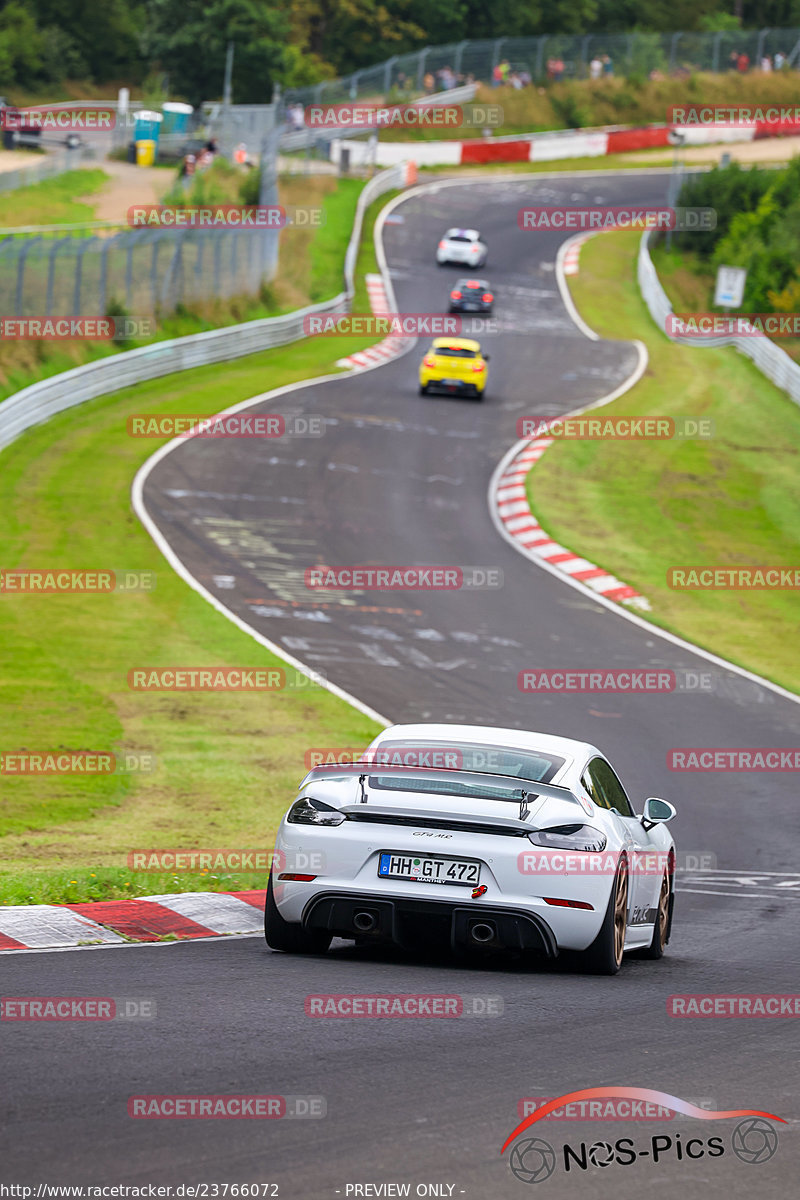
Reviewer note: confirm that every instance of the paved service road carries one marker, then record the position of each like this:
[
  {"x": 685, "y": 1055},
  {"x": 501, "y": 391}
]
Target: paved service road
[{"x": 399, "y": 478}]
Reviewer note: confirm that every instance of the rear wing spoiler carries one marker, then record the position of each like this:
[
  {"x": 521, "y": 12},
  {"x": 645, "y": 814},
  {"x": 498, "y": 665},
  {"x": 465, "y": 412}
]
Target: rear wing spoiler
[{"x": 527, "y": 789}]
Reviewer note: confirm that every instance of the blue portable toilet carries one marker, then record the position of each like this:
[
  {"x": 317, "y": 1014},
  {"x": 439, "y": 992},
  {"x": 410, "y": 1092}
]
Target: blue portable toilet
[
  {"x": 176, "y": 117},
  {"x": 147, "y": 126}
]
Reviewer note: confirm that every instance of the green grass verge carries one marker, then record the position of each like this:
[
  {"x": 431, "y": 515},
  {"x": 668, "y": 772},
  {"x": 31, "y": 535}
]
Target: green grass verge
[
  {"x": 226, "y": 762},
  {"x": 639, "y": 508},
  {"x": 56, "y": 201}
]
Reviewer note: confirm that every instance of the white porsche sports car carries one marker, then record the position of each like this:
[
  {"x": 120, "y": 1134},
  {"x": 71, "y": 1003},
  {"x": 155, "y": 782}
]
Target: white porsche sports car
[
  {"x": 462, "y": 246},
  {"x": 482, "y": 838}
]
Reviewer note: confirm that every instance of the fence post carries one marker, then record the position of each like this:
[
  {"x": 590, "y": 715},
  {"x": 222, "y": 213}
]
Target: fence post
[
  {"x": 423, "y": 54},
  {"x": 715, "y": 53},
  {"x": 495, "y": 57},
  {"x": 51, "y": 271},
  {"x": 76, "y": 295},
  {"x": 24, "y": 251},
  {"x": 539, "y": 57},
  {"x": 198, "y": 264},
  {"x": 234, "y": 260},
  {"x": 217, "y": 259},
  {"x": 387, "y": 72},
  {"x": 129, "y": 270},
  {"x": 154, "y": 271},
  {"x": 105, "y": 246},
  {"x": 585, "y": 52},
  {"x": 459, "y": 58},
  {"x": 762, "y": 35},
  {"x": 354, "y": 85},
  {"x": 173, "y": 271},
  {"x": 673, "y": 46}
]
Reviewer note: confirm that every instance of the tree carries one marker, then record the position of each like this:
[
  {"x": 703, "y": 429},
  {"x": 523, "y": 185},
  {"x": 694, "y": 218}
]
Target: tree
[{"x": 188, "y": 39}]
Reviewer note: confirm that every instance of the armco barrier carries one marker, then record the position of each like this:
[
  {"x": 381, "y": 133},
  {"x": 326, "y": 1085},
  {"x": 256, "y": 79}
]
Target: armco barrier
[
  {"x": 769, "y": 358},
  {"x": 40, "y": 401}
]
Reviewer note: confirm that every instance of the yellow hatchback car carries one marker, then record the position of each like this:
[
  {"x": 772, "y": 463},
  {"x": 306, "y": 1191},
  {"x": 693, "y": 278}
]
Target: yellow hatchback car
[{"x": 454, "y": 365}]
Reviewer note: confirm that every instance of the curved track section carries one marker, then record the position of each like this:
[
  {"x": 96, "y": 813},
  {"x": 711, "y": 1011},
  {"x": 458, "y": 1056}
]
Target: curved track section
[{"x": 399, "y": 479}]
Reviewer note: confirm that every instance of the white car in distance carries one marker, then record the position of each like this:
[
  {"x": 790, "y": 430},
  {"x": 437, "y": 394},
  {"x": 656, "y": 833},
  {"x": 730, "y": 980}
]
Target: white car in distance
[{"x": 462, "y": 246}]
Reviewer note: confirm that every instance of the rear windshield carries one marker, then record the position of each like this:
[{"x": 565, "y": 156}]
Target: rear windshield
[
  {"x": 459, "y": 237},
  {"x": 473, "y": 287},
  {"x": 464, "y": 756},
  {"x": 454, "y": 352}
]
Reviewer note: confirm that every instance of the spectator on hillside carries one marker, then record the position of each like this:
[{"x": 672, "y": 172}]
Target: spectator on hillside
[
  {"x": 595, "y": 68},
  {"x": 742, "y": 63},
  {"x": 608, "y": 65},
  {"x": 766, "y": 63},
  {"x": 525, "y": 78},
  {"x": 429, "y": 83},
  {"x": 780, "y": 60},
  {"x": 515, "y": 80},
  {"x": 733, "y": 60}
]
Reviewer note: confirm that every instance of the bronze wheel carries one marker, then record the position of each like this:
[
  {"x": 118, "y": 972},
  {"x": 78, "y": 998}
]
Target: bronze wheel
[
  {"x": 662, "y": 921},
  {"x": 620, "y": 912},
  {"x": 604, "y": 956}
]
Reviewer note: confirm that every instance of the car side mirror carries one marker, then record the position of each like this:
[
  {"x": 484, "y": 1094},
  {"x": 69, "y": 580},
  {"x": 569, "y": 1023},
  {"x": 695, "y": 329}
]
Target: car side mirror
[
  {"x": 657, "y": 812},
  {"x": 486, "y": 357}
]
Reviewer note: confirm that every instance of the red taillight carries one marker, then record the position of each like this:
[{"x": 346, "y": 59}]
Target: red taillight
[
  {"x": 568, "y": 903},
  {"x": 487, "y": 297},
  {"x": 298, "y": 878},
  {"x": 428, "y": 361},
  {"x": 455, "y": 295},
  {"x": 442, "y": 245},
  {"x": 478, "y": 366}
]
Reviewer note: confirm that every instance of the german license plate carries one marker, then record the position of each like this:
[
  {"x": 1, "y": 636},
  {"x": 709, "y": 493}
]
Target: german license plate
[
  {"x": 426, "y": 869},
  {"x": 451, "y": 383}
]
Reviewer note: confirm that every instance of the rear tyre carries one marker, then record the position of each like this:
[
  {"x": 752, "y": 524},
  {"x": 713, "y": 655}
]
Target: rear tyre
[
  {"x": 286, "y": 936},
  {"x": 663, "y": 922},
  {"x": 423, "y": 389},
  {"x": 604, "y": 956}
]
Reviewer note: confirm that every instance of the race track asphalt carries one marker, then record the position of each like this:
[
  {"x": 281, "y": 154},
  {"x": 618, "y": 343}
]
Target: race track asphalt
[{"x": 398, "y": 478}]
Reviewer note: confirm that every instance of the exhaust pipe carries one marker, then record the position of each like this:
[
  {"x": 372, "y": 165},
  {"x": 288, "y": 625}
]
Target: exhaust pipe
[
  {"x": 482, "y": 932},
  {"x": 365, "y": 922}
]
